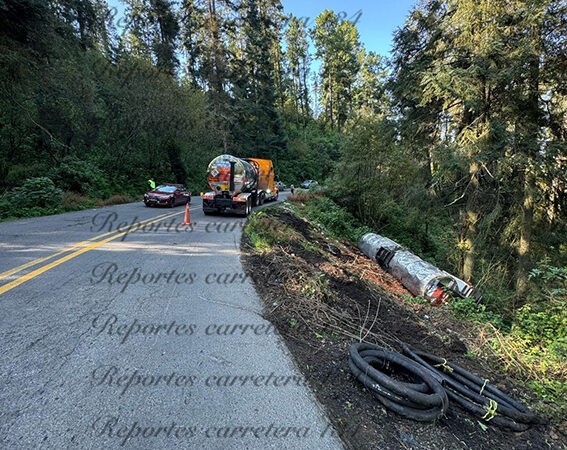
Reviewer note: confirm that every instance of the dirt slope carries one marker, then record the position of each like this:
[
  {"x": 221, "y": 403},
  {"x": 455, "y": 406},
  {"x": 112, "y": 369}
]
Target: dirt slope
[{"x": 322, "y": 296}]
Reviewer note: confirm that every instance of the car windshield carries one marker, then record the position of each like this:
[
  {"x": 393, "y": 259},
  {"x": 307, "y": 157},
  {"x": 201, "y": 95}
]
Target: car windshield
[{"x": 166, "y": 188}]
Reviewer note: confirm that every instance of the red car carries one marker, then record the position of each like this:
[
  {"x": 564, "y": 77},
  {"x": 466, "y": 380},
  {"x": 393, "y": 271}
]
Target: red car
[{"x": 168, "y": 195}]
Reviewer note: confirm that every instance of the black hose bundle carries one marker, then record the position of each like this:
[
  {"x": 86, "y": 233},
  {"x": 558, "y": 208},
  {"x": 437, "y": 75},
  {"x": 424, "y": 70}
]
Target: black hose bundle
[
  {"x": 476, "y": 395},
  {"x": 424, "y": 400}
]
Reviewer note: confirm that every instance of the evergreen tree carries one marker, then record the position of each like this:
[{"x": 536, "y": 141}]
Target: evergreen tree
[
  {"x": 298, "y": 62},
  {"x": 257, "y": 126},
  {"x": 206, "y": 27},
  {"x": 337, "y": 44},
  {"x": 369, "y": 91},
  {"x": 153, "y": 31}
]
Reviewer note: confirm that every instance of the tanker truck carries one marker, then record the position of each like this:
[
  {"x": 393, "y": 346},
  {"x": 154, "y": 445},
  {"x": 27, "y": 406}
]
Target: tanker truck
[{"x": 238, "y": 184}]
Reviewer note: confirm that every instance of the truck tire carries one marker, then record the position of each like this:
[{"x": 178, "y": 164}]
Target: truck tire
[
  {"x": 262, "y": 199},
  {"x": 248, "y": 208}
]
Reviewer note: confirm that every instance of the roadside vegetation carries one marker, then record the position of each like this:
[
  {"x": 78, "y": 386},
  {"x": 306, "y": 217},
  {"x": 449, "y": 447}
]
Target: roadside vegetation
[
  {"x": 531, "y": 343},
  {"x": 39, "y": 197},
  {"x": 318, "y": 287}
]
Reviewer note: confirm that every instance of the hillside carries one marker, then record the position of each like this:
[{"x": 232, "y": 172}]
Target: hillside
[{"x": 323, "y": 294}]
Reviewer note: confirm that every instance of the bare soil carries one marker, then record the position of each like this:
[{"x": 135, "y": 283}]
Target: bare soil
[{"x": 323, "y": 295}]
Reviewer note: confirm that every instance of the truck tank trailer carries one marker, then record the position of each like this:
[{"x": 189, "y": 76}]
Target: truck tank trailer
[{"x": 238, "y": 184}]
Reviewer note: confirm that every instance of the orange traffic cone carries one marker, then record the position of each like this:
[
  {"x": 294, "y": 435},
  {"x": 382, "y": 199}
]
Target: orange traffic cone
[{"x": 187, "y": 220}]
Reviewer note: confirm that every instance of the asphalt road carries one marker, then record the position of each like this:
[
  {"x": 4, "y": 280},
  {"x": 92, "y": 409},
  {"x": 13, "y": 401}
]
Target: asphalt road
[{"x": 142, "y": 338}]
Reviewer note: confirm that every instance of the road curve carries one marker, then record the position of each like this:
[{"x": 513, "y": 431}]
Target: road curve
[{"x": 122, "y": 328}]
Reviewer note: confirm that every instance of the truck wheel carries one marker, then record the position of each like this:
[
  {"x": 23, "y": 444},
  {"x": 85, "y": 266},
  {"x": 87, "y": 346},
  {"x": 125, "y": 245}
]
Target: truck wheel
[
  {"x": 262, "y": 199},
  {"x": 248, "y": 208}
]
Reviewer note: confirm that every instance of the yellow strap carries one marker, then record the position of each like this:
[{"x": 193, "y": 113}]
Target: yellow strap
[
  {"x": 446, "y": 368},
  {"x": 483, "y": 386},
  {"x": 490, "y": 410}
]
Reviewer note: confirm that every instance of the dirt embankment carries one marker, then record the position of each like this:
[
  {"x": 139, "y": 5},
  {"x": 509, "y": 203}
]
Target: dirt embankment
[{"x": 323, "y": 295}]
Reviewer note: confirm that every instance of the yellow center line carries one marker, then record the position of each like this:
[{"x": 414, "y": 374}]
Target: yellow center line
[
  {"x": 68, "y": 249},
  {"x": 77, "y": 245},
  {"x": 9, "y": 286}
]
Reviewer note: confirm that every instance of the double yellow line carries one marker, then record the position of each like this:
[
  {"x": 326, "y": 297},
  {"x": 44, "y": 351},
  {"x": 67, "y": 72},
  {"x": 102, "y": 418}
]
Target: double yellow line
[{"x": 87, "y": 245}]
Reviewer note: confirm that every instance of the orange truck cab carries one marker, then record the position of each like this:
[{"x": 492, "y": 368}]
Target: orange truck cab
[{"x": 266, "y": 177}]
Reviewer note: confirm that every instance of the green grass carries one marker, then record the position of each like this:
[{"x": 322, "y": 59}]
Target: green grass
[{"x": 264, "y": 231}]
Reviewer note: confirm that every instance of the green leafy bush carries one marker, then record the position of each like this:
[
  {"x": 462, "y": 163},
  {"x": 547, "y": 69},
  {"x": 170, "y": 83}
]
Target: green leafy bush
[
  {"x": 37, "y": 192},
  {"x": 467, "y": 308},
  {"x": 36, "y": 197},
  {"x": 80, "y": 176},
  {"x": 544, "y": 326},
  {"x": 542, "y": 323},
  {"x": 338, "y": 221}
]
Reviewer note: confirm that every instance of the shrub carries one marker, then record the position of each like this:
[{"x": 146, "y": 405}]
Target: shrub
[
  {"x": 74, "y": 202},
  {"x": 118, "y": 200},
  {"x": 338, "y": 221},
  {"x": 18, "y": 172},
  {"x": 36, "y": 192},
  {"x": 543, "y": 322},
  {"x": 37, "y": 197},
  {"x": 467, "y": 308},
  {"x": 80, "y": 176},
  {"x": 543, "y": 326},
  {"x": 535, "y": 346}
]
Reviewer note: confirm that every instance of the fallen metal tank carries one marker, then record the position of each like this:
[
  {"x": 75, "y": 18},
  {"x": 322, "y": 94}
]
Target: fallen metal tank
[
  {"x": 371, "y": 243},
  {"x": 219, "y": 175},
  {"x": 416, "y": 275}
]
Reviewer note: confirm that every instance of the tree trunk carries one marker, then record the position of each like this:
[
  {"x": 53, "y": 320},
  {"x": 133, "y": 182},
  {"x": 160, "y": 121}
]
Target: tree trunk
[
  {"x": 82, "y": 26},
  {"x": 331, "y": 102},
  {"x": 525, "y": 235},
  {"x": 530, "y": 148},
  {"x": 305, "y": 94},
  {"x": 470, "y": 220},
  {"x": 339, "y": 113},
  {"x": 296, "y": 88}
]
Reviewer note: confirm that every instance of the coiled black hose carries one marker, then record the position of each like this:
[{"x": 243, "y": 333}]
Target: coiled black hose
[
  {"x": 476, "y": 395},
  {"x": 424, "y": 400}
]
